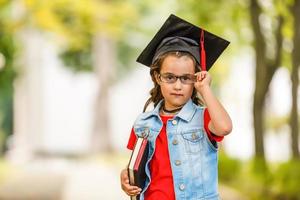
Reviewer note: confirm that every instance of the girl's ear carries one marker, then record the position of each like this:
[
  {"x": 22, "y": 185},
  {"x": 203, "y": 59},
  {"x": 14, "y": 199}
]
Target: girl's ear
[{"x": 157, "y": 78}]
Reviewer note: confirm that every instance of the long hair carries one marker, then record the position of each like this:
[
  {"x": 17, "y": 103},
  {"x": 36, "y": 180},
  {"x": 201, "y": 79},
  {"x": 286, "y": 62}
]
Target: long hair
[{"x": 155, "y": 92}]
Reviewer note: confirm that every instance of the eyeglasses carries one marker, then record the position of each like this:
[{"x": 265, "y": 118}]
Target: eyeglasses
[{"x": 172, "y": 78}]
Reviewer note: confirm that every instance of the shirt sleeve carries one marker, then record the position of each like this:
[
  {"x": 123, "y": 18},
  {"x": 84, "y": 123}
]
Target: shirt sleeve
[
  {"x": 132, "y": 140},
  {"x": 210, "y": 135}
]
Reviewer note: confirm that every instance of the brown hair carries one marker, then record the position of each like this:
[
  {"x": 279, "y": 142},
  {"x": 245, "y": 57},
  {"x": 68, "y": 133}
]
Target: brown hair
[{"x": 155, "y": 92}]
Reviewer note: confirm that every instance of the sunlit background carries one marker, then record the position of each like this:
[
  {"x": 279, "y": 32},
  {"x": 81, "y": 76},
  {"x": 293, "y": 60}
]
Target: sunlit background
[{"x": 70, "y": 90}]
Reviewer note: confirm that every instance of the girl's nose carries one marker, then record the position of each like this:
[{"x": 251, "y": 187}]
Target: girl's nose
[{"x": 178, "y": 84}]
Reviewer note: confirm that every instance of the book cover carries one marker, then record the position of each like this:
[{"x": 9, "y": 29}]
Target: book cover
[{"x": 137, "y": 162}]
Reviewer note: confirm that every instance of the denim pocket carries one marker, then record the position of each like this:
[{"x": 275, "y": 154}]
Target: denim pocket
[{"x": 192, "y": 140}]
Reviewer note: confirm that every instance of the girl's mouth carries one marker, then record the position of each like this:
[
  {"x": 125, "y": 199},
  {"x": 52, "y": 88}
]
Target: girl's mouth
[{"x": 176, "y": 94}]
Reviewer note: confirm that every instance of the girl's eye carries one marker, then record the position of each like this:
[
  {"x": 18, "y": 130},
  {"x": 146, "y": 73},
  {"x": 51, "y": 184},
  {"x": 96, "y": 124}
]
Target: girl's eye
[
  {"x": 170, "y": 77},
  {"x": 186, "y": 78}
]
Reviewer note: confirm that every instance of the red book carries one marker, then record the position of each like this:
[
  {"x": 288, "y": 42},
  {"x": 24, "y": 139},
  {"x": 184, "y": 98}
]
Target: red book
[{"x": 137, "y": 163}]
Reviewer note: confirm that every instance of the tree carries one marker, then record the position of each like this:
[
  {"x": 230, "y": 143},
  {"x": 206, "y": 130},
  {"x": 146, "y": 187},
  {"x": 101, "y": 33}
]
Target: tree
[
  {"x": 89, "y": 30},
  {"x": 266, "y": 65},
  {"x": 220, "y": 17},
  {"x": 295, "y": 80},
  {"x": 7, "y": 74}
]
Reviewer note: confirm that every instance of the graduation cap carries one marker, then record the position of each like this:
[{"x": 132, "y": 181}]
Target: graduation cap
[{"x": 177, "y": 34}]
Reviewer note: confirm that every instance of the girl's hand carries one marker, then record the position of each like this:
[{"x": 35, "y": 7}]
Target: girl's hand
[
  {"x": 203, "y": 79},
  {"x": 126, "y": 187}
]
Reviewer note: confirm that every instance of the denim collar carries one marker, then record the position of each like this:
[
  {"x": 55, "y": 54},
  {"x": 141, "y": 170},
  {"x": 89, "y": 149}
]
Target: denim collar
[
  {"x": 154, "y": 112},
  {"x": 186, "y": 113}
]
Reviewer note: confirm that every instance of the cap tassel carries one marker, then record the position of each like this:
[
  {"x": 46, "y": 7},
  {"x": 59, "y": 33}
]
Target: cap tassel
[{"x": 203, "y": 54}]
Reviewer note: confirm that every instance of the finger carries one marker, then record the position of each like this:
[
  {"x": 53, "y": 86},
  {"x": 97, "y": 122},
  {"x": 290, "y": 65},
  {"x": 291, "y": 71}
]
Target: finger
[
  {"x": 198, "y": 76},
  {"x": 131, "y": 194},
  {"x": 126, "y": 187},
  {"x": 133, "y": 188},
  {"x": 135, "y": 192},
  {"x": 129, "y": 187}
]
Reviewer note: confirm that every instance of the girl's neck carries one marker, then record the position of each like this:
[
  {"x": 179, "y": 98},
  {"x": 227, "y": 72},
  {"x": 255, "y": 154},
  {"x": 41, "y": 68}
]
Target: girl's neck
[{"x": 169, "y": 112}]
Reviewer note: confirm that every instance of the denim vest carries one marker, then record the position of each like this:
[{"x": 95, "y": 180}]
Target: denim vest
[{"x": 193, "y": 157}]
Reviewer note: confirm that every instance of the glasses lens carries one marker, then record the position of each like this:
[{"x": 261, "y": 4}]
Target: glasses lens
[
  {"x": 188, "y": 79},
  {"x": 168, "y": 78}
]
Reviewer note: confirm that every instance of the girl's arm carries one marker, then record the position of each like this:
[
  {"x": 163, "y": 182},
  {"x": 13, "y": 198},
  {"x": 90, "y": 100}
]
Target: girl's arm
[{"x": 220, "y": 123}]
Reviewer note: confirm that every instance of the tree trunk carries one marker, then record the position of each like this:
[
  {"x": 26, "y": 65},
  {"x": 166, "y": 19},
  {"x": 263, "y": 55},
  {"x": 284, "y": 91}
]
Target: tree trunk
[
  {"x": 265, "y": 70},
  {"x": 258, "y": 103},
  {"x": 295, "y": 81},
  {"x": 28, "y": 98},
  {"x": 103, "y": 58}
]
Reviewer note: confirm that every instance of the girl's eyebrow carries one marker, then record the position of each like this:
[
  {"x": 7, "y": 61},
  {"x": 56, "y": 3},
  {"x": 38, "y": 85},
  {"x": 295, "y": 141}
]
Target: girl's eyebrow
[
  {"x": 176, "y": 74},
  {"x": 187, "y": 74}
]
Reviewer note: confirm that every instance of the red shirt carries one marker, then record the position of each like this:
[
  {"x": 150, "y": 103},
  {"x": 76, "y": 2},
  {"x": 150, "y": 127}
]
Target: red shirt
[{"x": 161, "y": 186}]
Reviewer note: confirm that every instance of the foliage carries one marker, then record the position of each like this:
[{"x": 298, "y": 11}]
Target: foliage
[
  {"x": 228, "y": 19},
  {"x": 78, "y": 24},
  {"x": 77, "y": 20},
  {"x": 286, "y": 181},
  {"x": 7, "y": 74},
  {"x": 78, "y": 60},
  {"x": 280, "y": 181},
  {"x": 227, "y": 166},
  {"x": 276, "y": 122}
]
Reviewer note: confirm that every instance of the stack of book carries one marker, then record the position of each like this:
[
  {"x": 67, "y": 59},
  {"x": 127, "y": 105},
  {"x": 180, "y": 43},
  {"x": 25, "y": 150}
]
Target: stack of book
[{"x": 137, "y": 162}]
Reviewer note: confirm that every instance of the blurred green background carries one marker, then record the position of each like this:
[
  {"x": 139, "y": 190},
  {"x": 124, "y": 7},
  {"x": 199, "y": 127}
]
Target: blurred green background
[{"x": 70, "y": 89}]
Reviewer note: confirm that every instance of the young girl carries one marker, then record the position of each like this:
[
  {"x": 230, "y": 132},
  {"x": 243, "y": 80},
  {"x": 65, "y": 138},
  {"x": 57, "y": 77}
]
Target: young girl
[{"x": 182, "y": 133}]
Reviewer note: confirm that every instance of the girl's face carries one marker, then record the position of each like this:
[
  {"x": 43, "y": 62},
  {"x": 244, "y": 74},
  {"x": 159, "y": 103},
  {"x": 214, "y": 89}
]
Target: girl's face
[{"x": 176, "y": 94}]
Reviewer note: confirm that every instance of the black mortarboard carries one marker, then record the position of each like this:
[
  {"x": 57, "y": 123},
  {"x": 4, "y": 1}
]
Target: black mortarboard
[{"x": 177, "y": 34}]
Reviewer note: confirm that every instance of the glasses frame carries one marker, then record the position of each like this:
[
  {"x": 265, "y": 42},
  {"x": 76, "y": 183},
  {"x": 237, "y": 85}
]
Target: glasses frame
[{"x": 193, "y": 78}]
